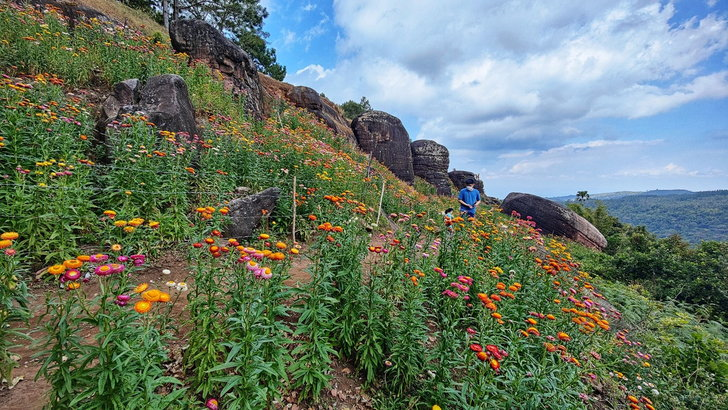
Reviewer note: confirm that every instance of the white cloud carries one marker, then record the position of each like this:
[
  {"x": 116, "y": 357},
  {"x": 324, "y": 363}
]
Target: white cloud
[
  {"x": 515, "y": 71},
  {"x": 309, "y": 7},
  {"x": 513, "y": 88},
  {"x": 670, "y": 169},
  {"x": 314, "y": 71}
]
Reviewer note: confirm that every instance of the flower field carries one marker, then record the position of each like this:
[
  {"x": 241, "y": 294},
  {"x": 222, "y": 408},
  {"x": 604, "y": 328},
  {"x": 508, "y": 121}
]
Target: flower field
[{"x": 490, "y": 314}]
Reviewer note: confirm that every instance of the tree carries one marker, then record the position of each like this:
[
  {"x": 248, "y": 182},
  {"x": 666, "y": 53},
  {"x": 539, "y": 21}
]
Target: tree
[
  {"x": 582, "y": 196},
  {"x": 353, "y": 109},
  {"x": 239, "y": 20}
]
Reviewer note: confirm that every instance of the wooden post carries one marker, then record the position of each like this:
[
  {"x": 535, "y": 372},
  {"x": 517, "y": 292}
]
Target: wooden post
[
  {"x": 381, "y": 197},
  {"x": 293, "y": 233}
]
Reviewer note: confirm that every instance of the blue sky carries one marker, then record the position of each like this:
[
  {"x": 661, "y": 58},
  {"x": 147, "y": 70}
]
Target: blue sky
[{"x": 545, "y": 97}]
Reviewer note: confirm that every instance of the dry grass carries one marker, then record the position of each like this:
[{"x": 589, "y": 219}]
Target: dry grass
[{"x": 123, "y": 14}]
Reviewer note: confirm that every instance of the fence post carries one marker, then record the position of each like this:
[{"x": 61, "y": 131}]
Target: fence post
[
  {"x": 293, "y": 233},
  {"x": 381, "y": 197}
]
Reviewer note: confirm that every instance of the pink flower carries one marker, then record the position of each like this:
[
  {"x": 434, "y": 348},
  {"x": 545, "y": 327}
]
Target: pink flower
[{"x": 212, "y": 404}]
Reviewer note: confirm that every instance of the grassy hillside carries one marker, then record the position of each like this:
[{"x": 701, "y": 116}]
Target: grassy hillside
[{"x": 486, "y": 313}]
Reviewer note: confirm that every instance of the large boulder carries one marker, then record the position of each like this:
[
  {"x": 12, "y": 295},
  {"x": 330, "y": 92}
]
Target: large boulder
[
  {"x": 201, "y": 41},
  {"x": 163, "y": 100},
  {"x": 458, "y": 179},
  {"x": 246, "y": 213},
  {"x": 384, "y": 136},
  {"x": 430, "y": 162},
  {"x": 310, "y": 100},
  {"x": 553, "y": 218}
]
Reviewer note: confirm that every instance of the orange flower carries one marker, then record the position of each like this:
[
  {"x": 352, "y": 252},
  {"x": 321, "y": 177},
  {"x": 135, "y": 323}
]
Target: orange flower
[
  {"x": 164, "y": 297},
  {"x": 9, "y": 235},
  {"x": 141, "y": 287},
  {"x": 56, "y": 269},
  {"x": 152, "y": 295},
  {"x": 294, "y": 251},
  {"x": 633, "y": 399},
  {"x": 143, "y": 306},
  {"x": 5, "y": 243},
  {"x": 496, "y": 315},
  {"x": 550, "y": 317},
  {"x": 563, "y": 336},
  {"x": 83, "y": 258},
  {"x": 263, "y": 236},
  {"x": 281, "y": 245},
  {"x": 483, "y": 356},
  {"x": 500, "y": 286},
  {"x": 312, "y": 217},
  {"x": 73, "y": 285},
  {"x": 116, "y": 247},
  {"x": 72, "y": 263}
]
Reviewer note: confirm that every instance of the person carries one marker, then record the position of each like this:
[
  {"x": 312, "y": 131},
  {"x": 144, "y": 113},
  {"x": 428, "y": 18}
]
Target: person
[
  {"x": 448, "y": 216},
  {"x": 469, "y": 198}
]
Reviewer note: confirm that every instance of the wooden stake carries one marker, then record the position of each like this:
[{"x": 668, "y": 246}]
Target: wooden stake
[
  {"x": 381, "y": 197},
  {"x": 293, "y": 233}
]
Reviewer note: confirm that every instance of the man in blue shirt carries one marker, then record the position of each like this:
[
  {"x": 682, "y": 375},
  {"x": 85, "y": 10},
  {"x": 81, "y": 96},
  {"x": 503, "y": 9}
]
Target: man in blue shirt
[{"x": 469, "y": 198}]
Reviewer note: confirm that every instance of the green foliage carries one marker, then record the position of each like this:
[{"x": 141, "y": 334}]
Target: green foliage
[
  {"x": 353, "y": 109},
  {"x": 696, "y": 216},
  {"x": 668, "y": 268}
]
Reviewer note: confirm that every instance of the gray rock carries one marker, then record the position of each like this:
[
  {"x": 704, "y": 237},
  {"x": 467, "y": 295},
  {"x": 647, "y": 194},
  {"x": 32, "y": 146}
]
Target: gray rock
[
  {"x": 384, "y": 136},
  {"x": 430, "y": 162},
  {"x": 310, "y": 100},
  {"x": 458, "y": 179},
  {"x": 203, "y": 42},
  {"x": 163, "y": 100},
  {"x": 553, "y": 218},
  {"x": 246, "y": 213}
]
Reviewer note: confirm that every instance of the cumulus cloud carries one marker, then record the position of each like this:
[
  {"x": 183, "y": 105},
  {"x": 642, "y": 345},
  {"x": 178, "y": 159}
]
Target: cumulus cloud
[
  {"x": 502, "y": 73},
  {"x": 313, "y": 71}
]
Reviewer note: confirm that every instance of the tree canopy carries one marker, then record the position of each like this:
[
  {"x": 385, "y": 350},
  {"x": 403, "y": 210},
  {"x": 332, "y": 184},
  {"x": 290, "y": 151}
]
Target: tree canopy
[{"x": 353, "y": 109}]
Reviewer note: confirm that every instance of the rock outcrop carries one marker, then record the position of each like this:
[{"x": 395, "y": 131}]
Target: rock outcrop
[
  {"x": 552, "y": 218},
  {"x": 384, "y": 136},
  {"x": 458, "y": 179},
  {"x": 163, "y": 100},
  {"x": 246, "y": 213},
  {"x": 310, "y": 100},
  {"x": 430, "y": 162},
  {"x": 203, "y": 42}
]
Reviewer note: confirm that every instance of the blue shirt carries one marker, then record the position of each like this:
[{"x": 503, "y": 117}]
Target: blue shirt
[{"x": 469, "y": 197}]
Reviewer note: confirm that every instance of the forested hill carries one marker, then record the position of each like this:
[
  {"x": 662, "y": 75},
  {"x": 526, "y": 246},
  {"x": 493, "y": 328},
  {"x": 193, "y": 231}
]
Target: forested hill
[{"x": 695, "y": 216}]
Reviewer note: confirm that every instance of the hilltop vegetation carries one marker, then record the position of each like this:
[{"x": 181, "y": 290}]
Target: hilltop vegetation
[
  {"x": 485, "y": 313},
  {"x": 695, "y": 216}
]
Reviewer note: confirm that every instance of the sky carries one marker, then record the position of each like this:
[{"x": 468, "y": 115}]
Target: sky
[{"x": 547, "y": 97}]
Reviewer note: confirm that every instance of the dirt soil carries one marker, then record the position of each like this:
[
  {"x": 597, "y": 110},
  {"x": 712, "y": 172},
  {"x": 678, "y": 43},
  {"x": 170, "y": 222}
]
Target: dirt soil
[{"x": 345, "y": 390}]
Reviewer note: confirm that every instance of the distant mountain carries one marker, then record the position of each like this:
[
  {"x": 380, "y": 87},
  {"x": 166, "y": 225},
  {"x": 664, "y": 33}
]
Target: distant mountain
[
  {"x": 695, "y": 216},
  {"x": 622, "y": 194}
]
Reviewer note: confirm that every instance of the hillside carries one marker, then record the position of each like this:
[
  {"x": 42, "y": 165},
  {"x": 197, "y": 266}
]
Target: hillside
[
  {"x": 351, "y": 291},
  {"x": 695, "y": 216}
]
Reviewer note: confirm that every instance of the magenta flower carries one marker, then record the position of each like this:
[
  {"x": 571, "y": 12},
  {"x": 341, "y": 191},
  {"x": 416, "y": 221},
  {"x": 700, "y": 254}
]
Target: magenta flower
[{"x": 72, "y": 274}]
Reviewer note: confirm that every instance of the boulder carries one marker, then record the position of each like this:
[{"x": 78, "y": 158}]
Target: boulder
[
  {"x": 384, "y": 136},
  {"x": 307, "y": 98},
  {"x": 553, "y": 218},
  {"x": 163, "y": 100},
  {"x": 246, "y": 213},
  {"x": 458, "y": 179},
  {"x": 430, "y": 161},
  {"x": 201, "y": 41}
]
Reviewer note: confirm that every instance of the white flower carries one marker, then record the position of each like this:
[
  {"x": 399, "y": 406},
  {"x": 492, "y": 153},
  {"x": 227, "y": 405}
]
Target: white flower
[
  {"x": 171, "y": 284},
  {"x": 166, "y": 271},
  {"x": 182, "y": 287}
]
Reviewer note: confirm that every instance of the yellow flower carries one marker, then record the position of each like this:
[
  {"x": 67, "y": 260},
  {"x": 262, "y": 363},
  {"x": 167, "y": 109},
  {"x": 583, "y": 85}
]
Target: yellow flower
[
  {"x": 136, "y": 222},
  {"x": 436, "y": 407},
  {"x": 74, "y": 285},
  {"x": 120, "y": 223},
  {"x": 129, "y": 229},
  {"x": 5, "y": 243},
  {"x": 116, "y": 247}
]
